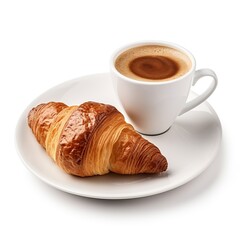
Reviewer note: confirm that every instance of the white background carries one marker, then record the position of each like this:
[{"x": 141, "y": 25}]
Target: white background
[{"x": 43, "y": 43}]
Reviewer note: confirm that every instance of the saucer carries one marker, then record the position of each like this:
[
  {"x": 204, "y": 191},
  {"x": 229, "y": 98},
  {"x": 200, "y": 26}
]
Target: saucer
[{"x": 190, "y": 146}]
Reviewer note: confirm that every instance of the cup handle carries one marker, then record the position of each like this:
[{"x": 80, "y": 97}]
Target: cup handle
[{"x": 201, "y": 98}]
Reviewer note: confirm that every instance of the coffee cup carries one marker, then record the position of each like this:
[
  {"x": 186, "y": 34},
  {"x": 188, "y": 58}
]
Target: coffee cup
[{"x": 153, "y": 80}]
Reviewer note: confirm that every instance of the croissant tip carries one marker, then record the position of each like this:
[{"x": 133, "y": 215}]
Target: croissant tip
[
  {"x": 165, "y": 165},
  {"x": 160, "y": 164}
]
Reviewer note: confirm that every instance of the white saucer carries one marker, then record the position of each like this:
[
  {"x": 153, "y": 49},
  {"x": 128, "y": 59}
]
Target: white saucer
[{"x": 190, "y": 146}]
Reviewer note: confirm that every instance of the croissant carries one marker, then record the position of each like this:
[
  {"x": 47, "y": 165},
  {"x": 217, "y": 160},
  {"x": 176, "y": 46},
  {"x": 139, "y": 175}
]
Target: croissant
[{"x": 93, "y": 139}]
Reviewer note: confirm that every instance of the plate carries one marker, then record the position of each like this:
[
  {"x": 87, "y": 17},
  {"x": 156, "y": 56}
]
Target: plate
[{"x": 190, "y": 145}]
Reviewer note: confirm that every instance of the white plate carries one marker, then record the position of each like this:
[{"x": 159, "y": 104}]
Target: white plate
[{"x": 190, "y": 146}]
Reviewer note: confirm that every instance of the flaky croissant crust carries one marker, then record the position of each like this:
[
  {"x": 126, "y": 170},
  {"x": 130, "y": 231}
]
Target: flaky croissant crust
[{"x": 93, "y": 139}]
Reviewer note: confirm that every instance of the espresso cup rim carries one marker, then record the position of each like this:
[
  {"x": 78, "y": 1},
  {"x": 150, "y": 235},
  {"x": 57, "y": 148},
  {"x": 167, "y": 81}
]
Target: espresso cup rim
[{"x": 150, "y": 42}]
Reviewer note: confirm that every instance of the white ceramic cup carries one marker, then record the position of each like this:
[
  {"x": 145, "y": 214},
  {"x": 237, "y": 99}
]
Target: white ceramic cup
[{"x": 152, "y": 107}]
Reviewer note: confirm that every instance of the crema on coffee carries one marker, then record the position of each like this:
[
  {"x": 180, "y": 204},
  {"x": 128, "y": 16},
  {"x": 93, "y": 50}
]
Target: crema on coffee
[{"x": 153, "y": 63}]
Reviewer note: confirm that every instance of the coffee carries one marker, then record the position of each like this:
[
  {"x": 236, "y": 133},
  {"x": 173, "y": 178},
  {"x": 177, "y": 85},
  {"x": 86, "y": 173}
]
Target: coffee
[{"x": 153, "y": 63}]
